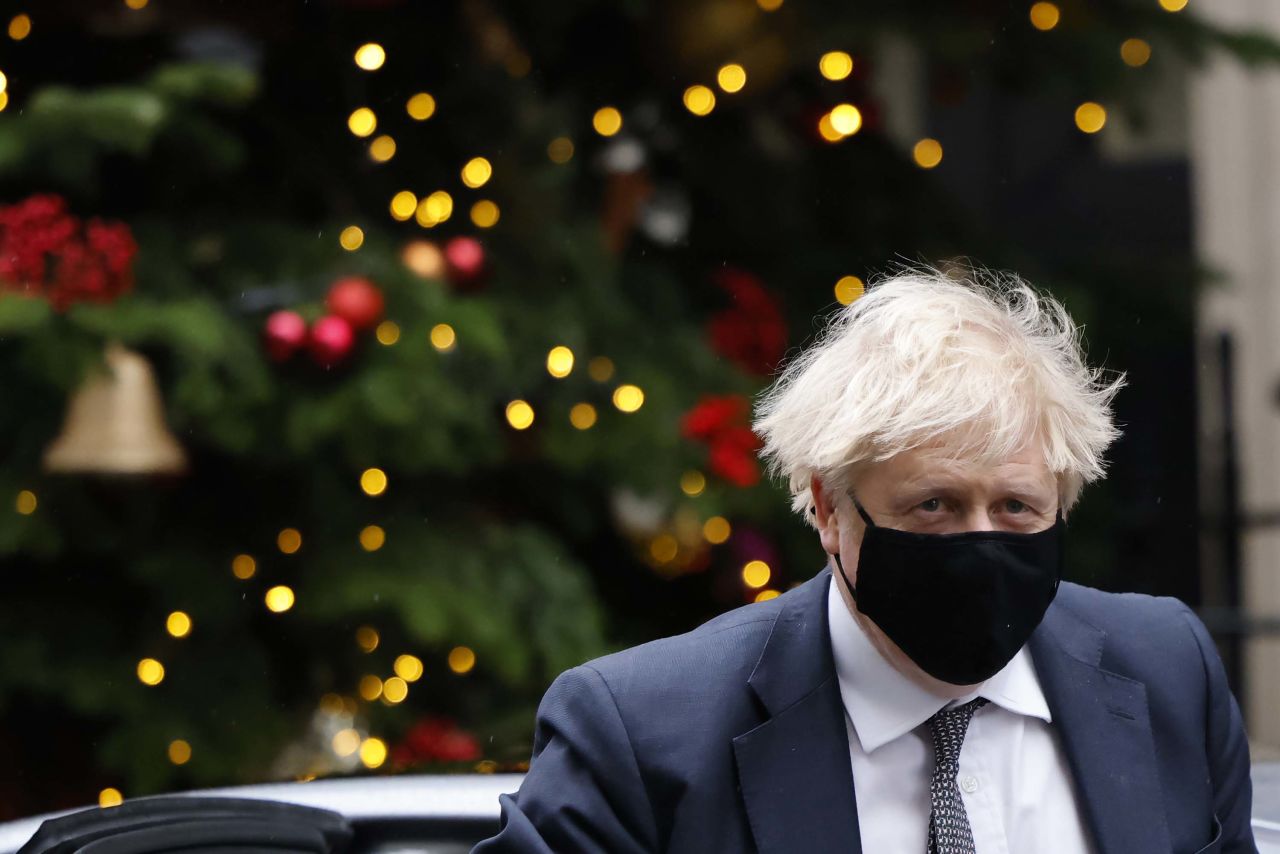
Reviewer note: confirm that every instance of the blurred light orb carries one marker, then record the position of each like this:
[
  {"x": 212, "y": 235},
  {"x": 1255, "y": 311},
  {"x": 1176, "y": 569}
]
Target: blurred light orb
[
  {"x": 370, "y": 56},
  {"x": 408, "y": 667},
  {"x": 243, "y": 567},
  {"x": 403, "y": 204},
  {"x": 279, "y": 599},
  {"x": 519, "y": 414},
  {"x": 461, "y": 659},
  {"x": 664, "y": 548},
  {"x": 827, "y": 130},
  {"x": 628, "y": 398},
  {"x": 26, "y": 502},
  {"x": 387, "y": 333},
  {"x": 435, "y": 208},
  {"x": 848, "y": 289},
  {"x": 560, "y": 362},
  {"x": 362, "y": 121},
  {"x": 382, "y": 149},
  {"x": 373, "y": 752},
  {"x": 477, "y": 171},
  {"x": 699, "y": 100},
  {"x": 927, "y": 153},
  {"x": 1135, "y": 52},
  {"x": 846, "y": 119},
  {"x": 136, "y": 5},
  {"x": 835, "y": 65},
  {"x": 345, "y": 742},
  {"x": 373, "y": 481},
  {"x": 372, "y": 538},
  {"x": 150, "y": 671},
  {"x": 289, "y": 540},
  {"x": 756, "y": 573},
  {"x": 351, "y": 238},
  {"x": 367, "y": 638},
  {"x": 484, "y": 214},
  {"x": 443, "y": 338},
  {"x": 395, "y": 690},
  {"x": 693, "y": 482},
  {"x": 716, "y": 530},
  {"x": 607, "y": 121},
  {"x": 560, "y": 149},
  {"x": 582, "y": 416},
  {"x": 178, "y": 624},
  {"x": 732, "y": 77},
  {"x": 766, "y": 595},
  {"x": 1173, "y": 5},
  {"x": 1045, "y": 16},
  {"x": 179, "y": 751},
  {"x": 1090, "y": 117},
  {"x": 769, "y": 5},
  {"x": 600, "y": 368},
  {"x": 370, "y": 687},
  {"x": 423, "y": 258},
  {"x": 421, "y": 107},
  {"x": 20, "y": 27},
  {"x": 110, "y": 797}
]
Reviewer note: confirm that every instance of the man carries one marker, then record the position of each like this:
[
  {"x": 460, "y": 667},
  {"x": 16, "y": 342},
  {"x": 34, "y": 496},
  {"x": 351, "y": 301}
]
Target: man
[{"x": 935, "y": 687}]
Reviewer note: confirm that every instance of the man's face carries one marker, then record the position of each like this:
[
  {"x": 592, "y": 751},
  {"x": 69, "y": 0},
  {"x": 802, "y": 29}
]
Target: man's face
[{"x": 931, "y": 490}]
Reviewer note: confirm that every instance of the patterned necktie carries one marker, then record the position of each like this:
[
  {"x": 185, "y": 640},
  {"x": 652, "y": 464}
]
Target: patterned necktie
[{"x": 949, "y": 831}]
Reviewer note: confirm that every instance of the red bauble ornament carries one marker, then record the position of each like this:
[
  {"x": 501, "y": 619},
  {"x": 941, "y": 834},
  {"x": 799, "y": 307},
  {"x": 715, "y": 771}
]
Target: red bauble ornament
[
  {"x": 331, "y": 340},
  {"x": 465, "y": 262},
  {"x": 284, "y": 333},
  {"x": 357, "y": 301}
]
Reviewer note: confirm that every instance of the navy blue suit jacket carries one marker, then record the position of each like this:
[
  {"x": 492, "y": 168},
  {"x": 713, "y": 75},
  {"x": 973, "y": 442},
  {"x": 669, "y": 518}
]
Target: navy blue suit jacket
[{"x": 732, "y": 737}]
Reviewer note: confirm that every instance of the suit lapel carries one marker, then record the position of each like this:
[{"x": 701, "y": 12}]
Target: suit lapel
[
  {"x": 1105, "y": 728},
  {"x": 794, "y": 768}
]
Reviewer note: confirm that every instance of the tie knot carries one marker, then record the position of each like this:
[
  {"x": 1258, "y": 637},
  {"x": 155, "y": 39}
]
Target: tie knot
[{"x": 948, "y": 726}]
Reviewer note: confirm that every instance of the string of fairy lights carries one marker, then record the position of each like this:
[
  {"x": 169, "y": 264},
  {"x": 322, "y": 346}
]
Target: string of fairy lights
[{"x": 841, "y": 122}]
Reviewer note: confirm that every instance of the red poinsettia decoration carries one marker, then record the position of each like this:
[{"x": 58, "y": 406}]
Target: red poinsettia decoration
[
  {"x": 721, "y": 422},
  {"x": 46, "y": 251},
  {"x": 435, "y": 739},
  {"x": 752, "y": 331}
]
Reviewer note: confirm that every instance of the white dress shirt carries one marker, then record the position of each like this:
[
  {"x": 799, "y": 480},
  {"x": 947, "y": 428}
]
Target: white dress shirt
[{"x": 1014, "y": 779}]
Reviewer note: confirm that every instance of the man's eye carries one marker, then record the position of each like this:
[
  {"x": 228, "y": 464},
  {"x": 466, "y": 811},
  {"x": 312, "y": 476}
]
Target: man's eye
[
  {"x": 931, "y": 505},
  {"x": 1013, "y": 505}
]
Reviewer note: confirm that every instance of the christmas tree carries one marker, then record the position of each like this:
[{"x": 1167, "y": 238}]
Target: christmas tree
[{"x": 368, "y": 363}]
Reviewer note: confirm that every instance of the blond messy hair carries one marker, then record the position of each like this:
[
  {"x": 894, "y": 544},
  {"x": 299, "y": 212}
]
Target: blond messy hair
[{"x": 980, "y": 357}]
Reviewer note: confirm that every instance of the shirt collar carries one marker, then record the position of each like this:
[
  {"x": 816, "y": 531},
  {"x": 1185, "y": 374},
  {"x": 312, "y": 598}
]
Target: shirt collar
[{"x": 884, "y": 704}]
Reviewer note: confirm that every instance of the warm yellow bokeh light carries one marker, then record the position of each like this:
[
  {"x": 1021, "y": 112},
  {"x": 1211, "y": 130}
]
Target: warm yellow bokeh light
[
  {"x": 1135, "y": 52},
  {"x": 582, "y": 416},
  {"x": 848, "y": 289},
  {"x": 362, "y": 121},
  {"x": 1090, "y": 117},
  {"x": 279, "y": 599},
  {"x": 927, "y": 153},
  {"x": 732, "y": 77},
  {"x": 699, "y": 100},
  {"x": 408, "y": 667},
  {"x": 4, "y": 83},
  {"x": 26, "y": 502},
  {"x": 370, "y": 687},
  {"x": 351, "y": 238},
  {"x": 373, "y": 752},
  {"x": 835, "y": 65},
  {"x": 178, "y": 624},
  {"x": 372, "y": 538},
  {"x": 607, "y": 121},
  {"x": 769, "y": 5},
  {"x": 756, "y": 573},
  {"x": 628, "y": 398},
  {"x": 846, "y": 119},
  {"x": 600, "y": 368},
  {"x": 110, "y": 797},
  {"x": 150, "y": 671},
  {"x": 421, "y": 106},
  {"x": 387, "y": 332},
  {"x": 395, "y": 690},
  {"x": 243, "y": 566},
  {"x": 827, "y": 130},
  {"x": 1045, "y": 16},
  {"x": 560, "y": 149},
  {"x": 435, "y": 209},
  {"x": 443, "y": 338},
  {"x": 766, "y": 595},
  {"x": 382, "y": 149},
  {"x": 560, "y": 361},
  {"x": 289, "y": 540},
  {"x": 373, "y": 481},
  {"x": 664, "y": 547},
  {"x": 179, "y": 751},
  {"x": 367, "y": 638},
  {"x": 4, "y": 100},
  {"x": 370, "y": 56},
  {"x": 345, "y": 742},
  {"x": 20, "y": 27},
  {"x": 693, "y": 482},
  {"x": 476, "y": 172},
  {"x": 136, "y": 5},
  {"x": 403, "y": 204},
  {"x": 423, "y": 258},
  {"x": 461, "y": 659},
  {"x": 1173, "y": 5},
  {"x": 716, "y": 530},
  {"x": 484, "y": 214},
  {"x": 519, "y": 414}
]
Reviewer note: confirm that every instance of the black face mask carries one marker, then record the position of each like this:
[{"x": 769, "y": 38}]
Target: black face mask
[{"x": 959, "y": 605}]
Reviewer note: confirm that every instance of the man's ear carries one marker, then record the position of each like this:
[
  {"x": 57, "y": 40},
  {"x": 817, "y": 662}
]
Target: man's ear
[{"x": 825, "y": 516}]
